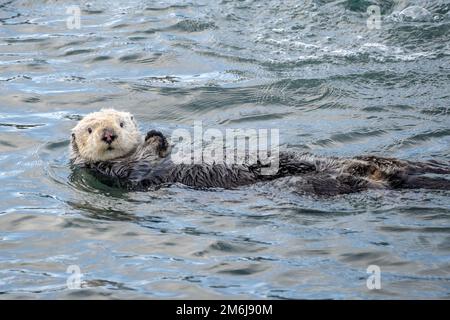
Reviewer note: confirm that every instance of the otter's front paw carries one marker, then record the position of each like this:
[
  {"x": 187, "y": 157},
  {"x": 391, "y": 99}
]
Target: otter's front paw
[{"x": 159, "y": 141}]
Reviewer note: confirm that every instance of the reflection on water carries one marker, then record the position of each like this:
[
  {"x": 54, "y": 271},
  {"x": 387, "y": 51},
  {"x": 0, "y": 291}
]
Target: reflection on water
[{"x": 310, "y": 68}]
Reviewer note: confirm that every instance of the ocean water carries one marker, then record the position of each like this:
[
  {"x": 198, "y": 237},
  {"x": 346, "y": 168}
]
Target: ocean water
[{"x": 331, "y": 82}]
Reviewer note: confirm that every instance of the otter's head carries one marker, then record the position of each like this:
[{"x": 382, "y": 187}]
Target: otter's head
[{"x": 104, "y": 135}]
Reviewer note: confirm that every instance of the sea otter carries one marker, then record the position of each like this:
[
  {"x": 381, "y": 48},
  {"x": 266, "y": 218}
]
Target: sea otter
[{"x": 110, "y": 145}]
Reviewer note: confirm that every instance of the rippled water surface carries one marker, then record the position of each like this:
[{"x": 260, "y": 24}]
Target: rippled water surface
[{"x": 311, "y": 68}]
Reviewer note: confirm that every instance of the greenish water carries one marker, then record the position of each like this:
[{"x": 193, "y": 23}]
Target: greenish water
[{"x": 312, "y": 69}]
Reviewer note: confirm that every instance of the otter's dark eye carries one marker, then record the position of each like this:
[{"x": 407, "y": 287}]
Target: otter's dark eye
[
  {"x": 121, "y": 124},
  {"x": 89, "y": 130}
]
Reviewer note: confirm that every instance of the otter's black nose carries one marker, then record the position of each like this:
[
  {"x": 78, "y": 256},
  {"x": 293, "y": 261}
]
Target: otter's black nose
[{"x": 108, "y": 136}]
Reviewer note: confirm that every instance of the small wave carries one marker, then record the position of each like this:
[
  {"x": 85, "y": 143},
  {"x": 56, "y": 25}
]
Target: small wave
[
  {"x": 91, "y": 11},
  {"x": 421, "y": 137},
  {"x": 101, "y": 58},
  {"x": 130, "y": 57},
  {"x": 76, "y": 52},
  {"x": 223, "y": 246},
  {"x": 22, "y": 126},
  {"x": 241, "y": 271},
  {"x": 350, "y": 137},
  {"x": 191, "y": 26},
  {"x": 397, "y": 229},
  {"x": 167, "y": 8},
  {"x": 413, "y": 14}
]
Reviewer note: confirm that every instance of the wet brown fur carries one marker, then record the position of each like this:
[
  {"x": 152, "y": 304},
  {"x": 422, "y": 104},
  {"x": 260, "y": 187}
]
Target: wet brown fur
[{"x": 149, "y": 165}]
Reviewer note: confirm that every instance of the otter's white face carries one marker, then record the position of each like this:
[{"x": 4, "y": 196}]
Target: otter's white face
[{"x": 104, "y": 135}]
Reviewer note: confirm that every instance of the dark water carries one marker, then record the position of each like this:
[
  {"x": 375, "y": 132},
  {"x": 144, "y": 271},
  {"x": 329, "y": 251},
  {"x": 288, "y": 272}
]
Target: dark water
[{"x": 311, "y": 68}]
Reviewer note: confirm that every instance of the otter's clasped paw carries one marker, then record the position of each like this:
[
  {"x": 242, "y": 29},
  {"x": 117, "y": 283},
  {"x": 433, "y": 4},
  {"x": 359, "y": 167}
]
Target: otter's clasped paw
[{"x": 159, "y": 141}]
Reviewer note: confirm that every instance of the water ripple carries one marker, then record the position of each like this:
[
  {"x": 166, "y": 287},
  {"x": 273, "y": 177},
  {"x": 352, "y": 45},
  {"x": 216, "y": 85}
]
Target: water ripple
[{"x": 311, "y": 69}]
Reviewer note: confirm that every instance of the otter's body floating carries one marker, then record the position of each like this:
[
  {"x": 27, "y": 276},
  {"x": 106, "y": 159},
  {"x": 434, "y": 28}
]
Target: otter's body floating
[{"x": 109, "y": 143}]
